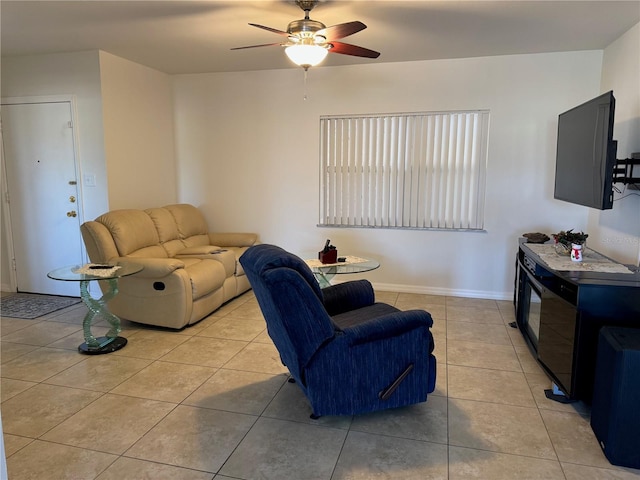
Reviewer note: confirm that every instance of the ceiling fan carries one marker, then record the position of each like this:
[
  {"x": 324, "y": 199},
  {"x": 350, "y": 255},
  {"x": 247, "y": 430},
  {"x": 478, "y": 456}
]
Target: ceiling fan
[{"x": 309, "y": 41}]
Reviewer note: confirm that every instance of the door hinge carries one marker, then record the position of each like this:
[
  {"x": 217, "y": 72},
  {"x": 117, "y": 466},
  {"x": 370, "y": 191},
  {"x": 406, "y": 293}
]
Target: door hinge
[{"x": 70, "y": 124}]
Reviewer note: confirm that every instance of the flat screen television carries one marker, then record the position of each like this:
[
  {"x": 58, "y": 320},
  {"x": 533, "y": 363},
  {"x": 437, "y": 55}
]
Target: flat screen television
[{"x": 586, "y": 154}]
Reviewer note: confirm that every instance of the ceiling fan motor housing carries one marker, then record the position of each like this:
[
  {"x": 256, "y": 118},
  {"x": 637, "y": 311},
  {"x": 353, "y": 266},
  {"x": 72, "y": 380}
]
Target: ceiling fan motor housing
[{"x": 304, "y": 27}]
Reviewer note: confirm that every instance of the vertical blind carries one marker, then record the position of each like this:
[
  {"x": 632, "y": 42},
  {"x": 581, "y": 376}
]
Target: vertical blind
[{"x": 415, "y": 170}]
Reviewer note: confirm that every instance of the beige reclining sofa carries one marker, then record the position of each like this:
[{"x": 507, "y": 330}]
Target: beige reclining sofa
[{"x": 188, "y": 271}]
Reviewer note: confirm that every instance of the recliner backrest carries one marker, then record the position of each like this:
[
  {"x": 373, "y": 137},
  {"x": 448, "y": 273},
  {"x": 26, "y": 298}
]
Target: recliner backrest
[
  {"x": 191, "y": 224},
  {"x": 133, "y": 232},
  {"x": 179, "y": 226},
  {"x": 291, "y": 301},
  {"x": 167, "y": 230}
]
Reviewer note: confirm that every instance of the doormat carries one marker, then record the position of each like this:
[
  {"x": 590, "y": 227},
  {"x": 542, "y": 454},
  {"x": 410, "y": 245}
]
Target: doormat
[{"x": 31, "y": 305}]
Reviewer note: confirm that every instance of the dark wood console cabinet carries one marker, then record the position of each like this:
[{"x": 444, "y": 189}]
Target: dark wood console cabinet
[{"x": 561, "y": 312}]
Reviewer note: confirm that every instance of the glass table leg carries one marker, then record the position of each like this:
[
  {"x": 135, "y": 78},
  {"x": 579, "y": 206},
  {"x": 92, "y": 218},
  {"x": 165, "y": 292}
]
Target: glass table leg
[
  {"x": 322, "y": 279},
  {"x": 324, "y": 276},
  {"x": 98, "y": 307}
]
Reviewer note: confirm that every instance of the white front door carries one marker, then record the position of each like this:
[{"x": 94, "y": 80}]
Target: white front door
[{"x": 43, "y": 195}]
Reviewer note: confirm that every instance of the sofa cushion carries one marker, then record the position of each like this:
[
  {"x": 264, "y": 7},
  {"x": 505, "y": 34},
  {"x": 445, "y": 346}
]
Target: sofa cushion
[
  {"x": 225, "y": 257},
  {"x": 154, "y": 251},
  {"x": 206, "y": 276},
  {"x": 131, "y": 230},
  {"x": 189, "y": 221},
  {"x": 100, "y": 245},
  {"x": 172, "y": 247},
  {"x": 195, "y": 245},
  {"x": 165, "y": 224}
]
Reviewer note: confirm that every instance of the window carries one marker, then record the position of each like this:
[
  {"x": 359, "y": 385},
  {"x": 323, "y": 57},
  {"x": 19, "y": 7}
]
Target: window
[{"x": 414, "y": 170}]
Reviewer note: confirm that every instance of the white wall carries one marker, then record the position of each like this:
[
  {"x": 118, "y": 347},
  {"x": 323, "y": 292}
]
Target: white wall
[
  {"x": 247, "y": 149},
  {"x": 616, "y": 232},
  {"x": 124, "y": 125},
  {"x": 247, "y": 153},
  {"x": 138, "y": 134},
  {"x": 75, "y": 74}
]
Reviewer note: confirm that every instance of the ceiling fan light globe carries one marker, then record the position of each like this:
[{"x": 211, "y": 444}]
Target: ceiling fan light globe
[{"x": 306, "y": 55}]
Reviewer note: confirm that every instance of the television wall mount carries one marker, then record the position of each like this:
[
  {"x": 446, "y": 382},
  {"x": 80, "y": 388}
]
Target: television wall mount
[{"x": 623, "y": 171}]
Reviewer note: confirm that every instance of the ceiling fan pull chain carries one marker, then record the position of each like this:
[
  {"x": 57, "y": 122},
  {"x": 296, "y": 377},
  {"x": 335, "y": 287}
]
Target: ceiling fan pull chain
[{"x": 306, "y": 72}]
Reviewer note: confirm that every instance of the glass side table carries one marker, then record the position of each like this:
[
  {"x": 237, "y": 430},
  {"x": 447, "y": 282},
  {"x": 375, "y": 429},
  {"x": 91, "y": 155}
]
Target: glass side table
[
  {"x": 324, "y": 273},
  {"x": 110, "y": 274}
]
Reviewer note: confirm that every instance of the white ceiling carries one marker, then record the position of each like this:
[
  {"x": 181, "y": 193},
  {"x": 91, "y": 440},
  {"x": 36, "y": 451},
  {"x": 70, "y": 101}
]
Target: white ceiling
[{"x": 196, "y": 36}]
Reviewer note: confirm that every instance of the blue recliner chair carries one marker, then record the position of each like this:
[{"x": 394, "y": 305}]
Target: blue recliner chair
[{"x": 348, "y": 354}]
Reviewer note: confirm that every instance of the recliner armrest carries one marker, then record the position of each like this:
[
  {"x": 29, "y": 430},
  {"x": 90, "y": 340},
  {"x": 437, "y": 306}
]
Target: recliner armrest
[
  {"x": 153, "y": 267},
  {"x": 233, "y": 239},
  {"x": 391, "y": 325},
  {"x": 348, "y": 296},
  {"x": 199, "y": 250}
]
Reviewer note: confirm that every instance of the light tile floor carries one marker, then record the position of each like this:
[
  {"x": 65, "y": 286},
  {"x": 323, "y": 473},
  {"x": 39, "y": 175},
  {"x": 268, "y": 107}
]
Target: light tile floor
[{"x": 212, "y": 401}]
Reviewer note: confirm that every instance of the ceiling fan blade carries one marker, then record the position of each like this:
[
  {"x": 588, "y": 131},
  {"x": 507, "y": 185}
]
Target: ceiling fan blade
[
  {"x": 255, "y": 46},
  {"x": 347, "y": 49},
  {"x": 274, "y": 30},
  {"x": 341, "y": 30}
]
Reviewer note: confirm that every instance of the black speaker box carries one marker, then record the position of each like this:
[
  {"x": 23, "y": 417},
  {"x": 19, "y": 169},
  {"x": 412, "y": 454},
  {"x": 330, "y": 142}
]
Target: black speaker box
[{"x": 615, "y": 410}]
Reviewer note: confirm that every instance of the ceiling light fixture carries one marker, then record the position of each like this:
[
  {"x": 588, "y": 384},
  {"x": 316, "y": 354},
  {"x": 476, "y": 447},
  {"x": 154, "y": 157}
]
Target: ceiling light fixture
[
  {"x": 306, "y": 55},
  {"x": 309, "y": 41}
]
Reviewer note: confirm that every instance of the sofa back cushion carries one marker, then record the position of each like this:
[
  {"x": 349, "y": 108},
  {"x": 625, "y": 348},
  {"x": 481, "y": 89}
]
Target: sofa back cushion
[
  {"x": 189, "y": 220},
  {"x": 192, "y": 228},
  {"x": 100, "y": 245},
  {"x": 165, "y": 224},
  {"x": 156, "y": 232},
  {"x": 133, "y": 232},
  {"x": 167, "y": 230}
]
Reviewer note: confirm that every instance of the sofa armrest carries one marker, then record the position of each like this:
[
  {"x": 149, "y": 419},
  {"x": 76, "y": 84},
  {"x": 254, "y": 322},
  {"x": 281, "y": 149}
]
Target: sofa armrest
[
  {"x": 347, "y": 296},
  {"x": 233, "y": 239},
  {"x": 388, "y": 326},
  {"x": 153, "y": 267}
]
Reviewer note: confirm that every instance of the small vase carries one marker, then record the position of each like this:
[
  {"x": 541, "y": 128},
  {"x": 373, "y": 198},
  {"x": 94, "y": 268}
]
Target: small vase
[
  {"x": 562, "y": 249},
  {"x": 576, "y": 252}
]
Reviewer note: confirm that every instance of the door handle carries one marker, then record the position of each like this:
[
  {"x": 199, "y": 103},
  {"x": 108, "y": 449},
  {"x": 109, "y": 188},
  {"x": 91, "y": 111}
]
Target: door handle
[{"x": 72, "y": 213}]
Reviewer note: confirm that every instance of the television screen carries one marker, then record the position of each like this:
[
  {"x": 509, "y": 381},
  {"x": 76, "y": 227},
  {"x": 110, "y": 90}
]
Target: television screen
[{"x": 586, "y": 154}]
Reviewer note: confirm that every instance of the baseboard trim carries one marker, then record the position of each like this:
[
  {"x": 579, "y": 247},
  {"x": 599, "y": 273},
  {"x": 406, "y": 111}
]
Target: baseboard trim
[{"x": 451, "y": 292}]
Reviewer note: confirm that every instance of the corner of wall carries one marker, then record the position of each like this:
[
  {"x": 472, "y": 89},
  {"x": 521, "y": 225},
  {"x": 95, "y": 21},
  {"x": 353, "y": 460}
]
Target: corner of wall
[{"x": 616, "y": 232}]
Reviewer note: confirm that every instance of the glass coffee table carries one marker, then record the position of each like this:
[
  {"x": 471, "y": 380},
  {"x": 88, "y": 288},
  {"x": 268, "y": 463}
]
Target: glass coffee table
[
  {"x": 84, "y": 274},
  {"x": 324, "y": 273}
]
